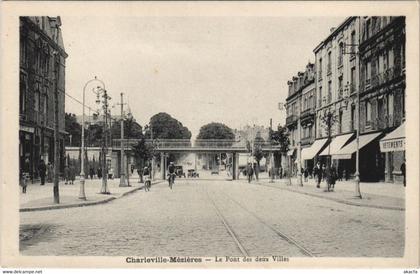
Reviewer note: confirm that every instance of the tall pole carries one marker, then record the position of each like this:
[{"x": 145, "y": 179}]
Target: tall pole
[
  {"x": 123, "y": 183},
  {"x": 357, "y": 174},
  {"x": 82, "y": 194},
  {"x": 56, "y": 129},
  {"x": 153, "y": 154},
  {"x": 104, "y": 187}
]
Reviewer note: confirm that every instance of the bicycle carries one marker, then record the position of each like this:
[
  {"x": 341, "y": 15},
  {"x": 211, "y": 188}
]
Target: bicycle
[
  {"x": 171, "y": 179},
  {"x": 147, "y": 183}
]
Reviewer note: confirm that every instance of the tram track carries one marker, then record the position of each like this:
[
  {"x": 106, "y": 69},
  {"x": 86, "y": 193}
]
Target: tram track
[
  {"x": 228, "y": 227},
  {"x": 235, "y": 236}
]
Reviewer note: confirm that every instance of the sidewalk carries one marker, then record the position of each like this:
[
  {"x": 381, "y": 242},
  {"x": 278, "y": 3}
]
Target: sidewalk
[
  {"x": 40, "y": 197},
  {"x": 376, "y": 195}
]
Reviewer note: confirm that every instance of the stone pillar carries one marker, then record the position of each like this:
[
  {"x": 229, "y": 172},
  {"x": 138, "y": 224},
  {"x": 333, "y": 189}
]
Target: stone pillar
[
  {"x": 234, "y": 165},
  {"x": 162, "y": 165}
]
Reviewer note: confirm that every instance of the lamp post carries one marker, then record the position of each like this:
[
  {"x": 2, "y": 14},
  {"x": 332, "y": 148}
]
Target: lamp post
[
  {"x": 82, "y": 194},
  {"x": 329, "y": 119}
]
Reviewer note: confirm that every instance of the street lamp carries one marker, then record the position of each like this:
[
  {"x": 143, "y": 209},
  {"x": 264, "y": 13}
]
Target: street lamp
[{"x": 82, "y": 194}]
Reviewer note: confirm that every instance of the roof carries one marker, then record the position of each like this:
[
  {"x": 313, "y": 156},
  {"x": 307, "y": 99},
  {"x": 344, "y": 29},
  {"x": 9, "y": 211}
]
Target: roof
[{"x": 334, "y": 33}]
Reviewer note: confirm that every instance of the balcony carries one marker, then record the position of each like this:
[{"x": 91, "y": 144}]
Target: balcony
[
  {"x": 306, "y": 140},
  {"x": 291, "y": 119},
  {"x": 382, "y": 78},
  {"x": 307, "y": 112}
]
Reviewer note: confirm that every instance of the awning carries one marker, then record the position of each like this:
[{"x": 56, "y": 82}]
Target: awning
[
  {"x": 348, "y": 150},
  {"x": 291, "y": 152},
  {"x": 394, "y": 141},
  {"x": 310, "y": 152},
  {"x": 336, "y": 144}
]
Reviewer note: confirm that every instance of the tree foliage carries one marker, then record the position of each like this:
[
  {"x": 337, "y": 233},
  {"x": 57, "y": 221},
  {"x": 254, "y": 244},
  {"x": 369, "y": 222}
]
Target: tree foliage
[
  {"x": 132, "y": 130},
  {"x": 74, "y": 129},
  {"x": 143, "y": 152},
  {"x": 216, "y": 131},
  {"x": 164, "y": 126},
  {"x": 281, "y": 138}
]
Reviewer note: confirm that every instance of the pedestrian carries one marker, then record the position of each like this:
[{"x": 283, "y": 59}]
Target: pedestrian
[
  {"x": 306, "y": 174},
  {"x": 72, "y": 174},
  {"x": 50, "y": 173},
  {"x": 249, "y": 172},
  {"x": 132, "y": 169},
  {"x": 91, "y": 172},
  {"x": 147, "y": 179},
  {"x": 324, "y": 172},
  {"x": 42, "y": 169},
  {"x": 318, "y": 174},
  {"x": 66, "y": 174},
  {"x": 256, "y": 170},
  {"x": 402, "y": 168},
  {"x": 331, "y": 177},
  {"x": 23, "y": 180},
  {"x": 99, "y": 172}
]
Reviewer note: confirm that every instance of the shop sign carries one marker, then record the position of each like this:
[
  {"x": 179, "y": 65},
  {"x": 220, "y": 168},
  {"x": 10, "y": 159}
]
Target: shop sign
[{"x": 393, "y": 145}]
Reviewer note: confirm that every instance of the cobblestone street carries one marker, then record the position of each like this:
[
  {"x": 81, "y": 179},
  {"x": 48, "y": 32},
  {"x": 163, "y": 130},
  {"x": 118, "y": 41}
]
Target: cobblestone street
[{"x": 208, "y": 218}]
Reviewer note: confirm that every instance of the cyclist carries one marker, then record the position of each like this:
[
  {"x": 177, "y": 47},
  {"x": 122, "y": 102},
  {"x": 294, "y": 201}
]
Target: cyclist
[{"x": 171, "y": 170}]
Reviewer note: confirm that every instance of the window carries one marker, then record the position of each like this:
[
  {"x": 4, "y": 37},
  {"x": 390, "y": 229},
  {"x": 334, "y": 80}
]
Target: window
[
  {"x": 22, "y": 94},
  {"x": 36, "y": 101},
  {"x": 368, "y": 111},
  {"x": 340, "y": 86},
  {"x": 329, "y": 62},
  {"x": 320, "y": 97},
  {"x": 390, "y": 105},
  {"x": 353, "y": 42},
  {"x": 23, "y": 50},
  {"x": 340, "y": 122},
  {"x": 368, "y": 72},
  {"x": 353, "y": 117},
  {"x": 340, "y": 54},
  {"x": 320, "y": 66},
  {"x": 329, "y": 91},
  {"x": 368, "y": 23},
  {"x": 353, "y": 79}
]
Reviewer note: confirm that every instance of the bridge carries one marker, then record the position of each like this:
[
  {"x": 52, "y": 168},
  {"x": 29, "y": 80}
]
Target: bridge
[
  {"x": 199, "y": 145},
  {"x": 165, "y": 146}
]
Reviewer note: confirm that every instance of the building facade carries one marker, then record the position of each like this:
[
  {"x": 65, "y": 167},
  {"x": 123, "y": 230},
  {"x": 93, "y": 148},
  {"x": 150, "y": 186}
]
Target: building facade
[
  {"x": 337, "y": 82},
  {"x": 42, "y": 77},
  {"x": 300, "y": 115},
  {"x": 382, "y": 90}
]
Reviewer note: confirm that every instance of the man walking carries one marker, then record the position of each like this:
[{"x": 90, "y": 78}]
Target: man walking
[
  {"x": 249, "y": 172},
  {"x": 318, "y": 174},
  {"x": 402, "y": 168},
  {"x": 42, "y": 168}
]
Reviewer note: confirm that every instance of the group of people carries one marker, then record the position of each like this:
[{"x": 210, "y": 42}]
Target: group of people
[
  {"x": 251, "y": 171},
  {"x": 324, "y": 173}
]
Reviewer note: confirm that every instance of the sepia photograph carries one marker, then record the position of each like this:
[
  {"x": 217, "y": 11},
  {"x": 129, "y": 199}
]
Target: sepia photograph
[{"x": 213, "y": 140}]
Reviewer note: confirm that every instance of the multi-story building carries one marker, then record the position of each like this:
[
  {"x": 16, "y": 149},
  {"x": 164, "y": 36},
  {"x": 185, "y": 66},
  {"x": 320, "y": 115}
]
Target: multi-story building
[
  {"x": 382, "y": 93},
  {"x": 300, "y": 115},
  {"x": 337, "y": 81},
  {"x": 42, "y": 76}
]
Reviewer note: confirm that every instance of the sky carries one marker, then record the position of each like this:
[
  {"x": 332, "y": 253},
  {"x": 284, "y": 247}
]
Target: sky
[{"x": 232, "y": 70}]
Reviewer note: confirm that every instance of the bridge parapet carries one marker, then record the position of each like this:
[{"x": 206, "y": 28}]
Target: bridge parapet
[{"x": 187, "y": 144}]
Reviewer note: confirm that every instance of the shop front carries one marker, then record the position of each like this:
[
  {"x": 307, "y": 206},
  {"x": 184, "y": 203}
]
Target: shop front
[
  {"x": 393, "y": 146},
  {"x": 371, "y": 160}
]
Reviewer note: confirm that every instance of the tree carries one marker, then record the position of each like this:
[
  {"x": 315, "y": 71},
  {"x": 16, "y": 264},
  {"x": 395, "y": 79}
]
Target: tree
[
  {"x": 132, "y": 130},
  {"x": 280, "y": 138},
  {"x": 143, "y": 153},
  {"x": 166, "y": 127},
  {"x": 216, "y": 131},
  {"x": 94, "y": 135},
  {"x": 73, "y": 128}
]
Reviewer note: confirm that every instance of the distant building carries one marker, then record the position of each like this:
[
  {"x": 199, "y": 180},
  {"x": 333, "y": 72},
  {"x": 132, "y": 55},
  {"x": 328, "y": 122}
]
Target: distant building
[
  {"x": 382, "y": 94},
  {"x": 42, "y": 75}
]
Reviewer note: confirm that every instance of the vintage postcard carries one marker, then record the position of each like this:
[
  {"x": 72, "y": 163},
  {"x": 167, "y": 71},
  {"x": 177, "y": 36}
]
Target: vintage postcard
[{"x": 209, "y": 134}]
